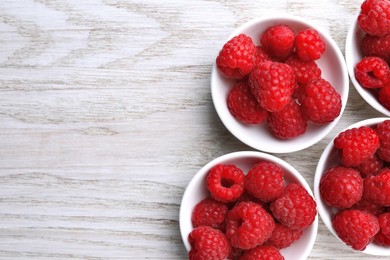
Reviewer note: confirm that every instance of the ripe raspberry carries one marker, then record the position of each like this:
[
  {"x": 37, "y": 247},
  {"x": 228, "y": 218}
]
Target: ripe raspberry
[
  {"x": 289, "y": 122},
  {"x": 304, "y": 70},
  {"x": 278, "y": 40},
  {"x": 370, "y": 166},
  {"x": 272, "y": 84},
  {"x": 244, "y": 106},
  {"x": 208, "y": 243},
  {"x": 372, "y": 72},
  {"x": 366, "y": 205},
  {"x": 383, "y": 130},
  {"x": 374, "y": 17},
  {"x": 377, "y": 188},
  {"x": 265, "y": 181},
  {"x": 283, "y": 237},
  {"x": 383, "y": 237},
  {"x": 320, "y": 101},
  {"x": 295, "y": 209},
  {"x": 210, "y": 212},
  {"x": 262, "y": 253},
  {"x": 356, "y": 145},
  {"x": 377, "y": 46},
  {"x": 356, "y": 228},
  {"x": 237, "y": 57},
  {"x": 225, "y": 182},
  {"x": 384, "y": 96},
  {"x": 309, "y": 45},
  {"x": 261, "y": 55},
  {"x": 248, "y": 225},
  {"x": 341, "y": 187}
]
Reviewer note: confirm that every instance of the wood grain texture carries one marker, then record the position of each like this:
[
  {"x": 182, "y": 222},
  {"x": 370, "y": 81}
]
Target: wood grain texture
[{"x": 106, "y": 114}]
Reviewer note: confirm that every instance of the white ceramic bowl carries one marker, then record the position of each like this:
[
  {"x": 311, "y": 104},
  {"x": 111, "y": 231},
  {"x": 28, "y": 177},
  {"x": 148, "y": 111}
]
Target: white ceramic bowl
[
  {"x": 353, "y": 54},
  {"x": 333, "y": 68},
  {"x": 196, "y": 191},
  {"x": 328, "y": 159}
]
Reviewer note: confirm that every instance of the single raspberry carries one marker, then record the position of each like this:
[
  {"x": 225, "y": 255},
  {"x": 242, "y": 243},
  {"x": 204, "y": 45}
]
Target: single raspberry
[
  {"x": 377, "y": 46},
  {"x": 244, "y": 106},
  {"x": 265, "y": 181},
  {"x": 208, "y": 243},
  {"x": 355, "y": 228},
  {"x": 209, "y": 212},
  {"x": 262, "y": 253},
  {"x": 278, "y": 40},
  {"x": 377, "y": 188},
  {"x": 283, "y": 237},
  {"x": 383, "y": 130},
  {"x": 366, "y": 205},
  {"x": 384, "y": 96},
  {"x": 248, "y": 225},
  {"x": 356, "y": 145},
  {"x": 341, "y": 187},
  {"x": 320, "y": 101},
  {"x": 237, "y": 57},
  {"x": 304, "y": 70},
  {"x": 225, "y": 182},
  {"x": 272, "y": 84},
  {"x": 372, "y": 72},
  {"x": 370, "y": 166},
  {"x": 296, "y": 208},
  {"x": 383, "y": 237},
  {"x": 289, "y": 122},
  {"x": 374, "y": 17},
  {"x": 261, "y": 55},
  {"x": 309, "y": 45}
]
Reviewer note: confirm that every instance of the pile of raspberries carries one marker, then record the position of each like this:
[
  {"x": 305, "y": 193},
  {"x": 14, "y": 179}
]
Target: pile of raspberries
[
  {"x": 279, "y": 81},
  {"x": 249, "y": 216},
  {"x": 373, "y": 71},
  {"x": 358, "y": 186}
]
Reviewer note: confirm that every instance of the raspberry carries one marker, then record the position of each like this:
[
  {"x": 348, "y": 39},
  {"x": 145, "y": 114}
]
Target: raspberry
[
  {"x": 384, "y": 96},
  {"x": 261, "y": 55},
  {"x": 225, "y": 182},
  {"x": 366, "y": 205},
  {"x": 341, "y": 187},
  {"x": 289, "y": 122},
  {"x": 370, "y": 166},
  {"x": 377, "y": 46},
  {"x": 309, "y": 45},
  {"x": 244, "y": 106},
  {"x": 278, "y": 40},
  {"x": 304, "y": 70},
  {"x": 237, "y": 57},
  {"x": 265, "y": 181},
  {"x": 355, "y": 228},
  {"x": 283, "y": 237},
  {"x": 248, "y": 225},
  {"x": 262, "y": 253},
  {"x": 372, "y": 72},
  {"x": 208, "y": 243},
  {"x": 210, "y": 212},
  {"x": 272, "y": 84},
  {"x": 377, "y": 188},
  {"x": 383, "y": 130},
  {"x": 356, "y": 145},
  {"x": 320, "y": 101},
  {"x": 383, "y": 237},
  {"x": 295, "y": 209},
  {"x": 374, "y": 17}
]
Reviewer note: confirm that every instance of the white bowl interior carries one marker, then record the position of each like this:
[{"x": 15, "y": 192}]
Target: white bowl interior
[
  {"x": 328, "y": 159},
  {"x": 196, "y": 191},
  {"x": 333, "y": 69}
]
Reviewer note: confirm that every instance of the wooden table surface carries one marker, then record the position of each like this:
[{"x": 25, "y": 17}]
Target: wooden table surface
[{"x": 106, "y": 114}]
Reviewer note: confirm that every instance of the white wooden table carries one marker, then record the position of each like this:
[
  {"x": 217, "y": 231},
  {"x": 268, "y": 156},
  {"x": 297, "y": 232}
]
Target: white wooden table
[{"x": 106, "y": 114}]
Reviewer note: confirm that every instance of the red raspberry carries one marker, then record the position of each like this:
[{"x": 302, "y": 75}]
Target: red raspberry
[
  {"x": 372, "y": 72},
  {"x": 244, "y": 106},
  {"x": 370, "y": 166},
  {"x": 377, "y": 188},
  {"x": 356, "y": 145},
  {"x": 283, "y": 237},
  {"x": 208, "y": 243},
  {"x": 320, "y": 101},
  {"x": 210, "y": 212},
  {"x": 309, "y": 45},
  {"x": 265, "y": 181},
  {"x": 237, "y": 57},
  {"x": 383, "y": 130},
  {"x": 383, "y": 237},
  {"x": 374, "y": 17},
  {"x": 261, "y": 55},
  {"x": 225, "y": 182},
  {"x": 356, "y": 228},
  {"x": 341, "y": 187},
  {"x": 272, "y": 84},
  {"x": 295, "y": 209},
  {"x": 248, "y": 225},
  {"x": 304, "y": 70},
  {"x": 289, "y": 122},
  {"x": 262, "y": 253},
  {"x": 384, "y": 96},
  {"x": 377, "y": 46},
  {"x": 366, "y": 205},
  {"x": 278, "y": 40}
]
